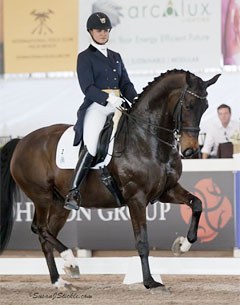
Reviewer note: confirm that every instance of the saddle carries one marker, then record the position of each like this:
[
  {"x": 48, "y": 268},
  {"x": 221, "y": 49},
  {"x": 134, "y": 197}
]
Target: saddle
[
  {"x": 104, "y": 140},
  {"x": 102, "y": 150},
  {"x": 67, "y": 154}
]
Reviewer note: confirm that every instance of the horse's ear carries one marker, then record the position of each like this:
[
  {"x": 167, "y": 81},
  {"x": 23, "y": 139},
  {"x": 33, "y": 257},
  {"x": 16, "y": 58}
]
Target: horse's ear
[{"x": 212, "y": 80}]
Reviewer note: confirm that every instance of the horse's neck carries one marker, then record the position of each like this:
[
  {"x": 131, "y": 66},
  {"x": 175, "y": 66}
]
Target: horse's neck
[
  {"x": 154, "y": 110},
  {"x": 154, "y": 120},
  {"x": 155, "y": 104}
]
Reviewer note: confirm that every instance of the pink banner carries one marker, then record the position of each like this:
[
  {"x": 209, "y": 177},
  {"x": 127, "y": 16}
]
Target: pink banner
[{"x": 231, "y": 32}]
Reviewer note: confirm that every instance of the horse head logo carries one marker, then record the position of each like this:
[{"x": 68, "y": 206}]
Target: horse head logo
[{"x": 41, "y": 18}]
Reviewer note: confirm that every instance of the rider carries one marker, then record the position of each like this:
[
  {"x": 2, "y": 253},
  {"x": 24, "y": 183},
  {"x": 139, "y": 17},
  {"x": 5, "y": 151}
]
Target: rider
[{"x": 102, "y": 78}]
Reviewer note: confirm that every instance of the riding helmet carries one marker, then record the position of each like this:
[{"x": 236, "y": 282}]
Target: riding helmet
[{"x": 99, "y": 21}]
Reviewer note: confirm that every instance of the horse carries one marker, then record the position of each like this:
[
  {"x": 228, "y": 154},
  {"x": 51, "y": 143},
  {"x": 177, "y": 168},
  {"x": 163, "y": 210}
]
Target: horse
[{"x": 159, "y": 130}]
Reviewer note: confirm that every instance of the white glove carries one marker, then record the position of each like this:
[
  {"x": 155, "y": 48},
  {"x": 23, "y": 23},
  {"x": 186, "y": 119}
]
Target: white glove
[{"x": 116, "y": 101}]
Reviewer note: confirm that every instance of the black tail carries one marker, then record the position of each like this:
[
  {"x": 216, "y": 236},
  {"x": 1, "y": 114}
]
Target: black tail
[{"x": 7, "y": 190}]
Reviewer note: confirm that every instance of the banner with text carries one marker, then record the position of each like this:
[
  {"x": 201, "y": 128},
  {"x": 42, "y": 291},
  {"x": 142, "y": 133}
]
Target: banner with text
[
  {"x": 111, "y": 228},
  {"x": 159, "y": 35},
  {"x": 40, "y": 36}
]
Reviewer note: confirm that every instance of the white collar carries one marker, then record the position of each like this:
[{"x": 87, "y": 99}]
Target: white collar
[{"x": 100, "y": 47}]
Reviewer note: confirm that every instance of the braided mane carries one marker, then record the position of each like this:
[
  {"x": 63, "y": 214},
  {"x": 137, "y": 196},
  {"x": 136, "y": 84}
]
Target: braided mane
[{"x": 160, "y": 77}]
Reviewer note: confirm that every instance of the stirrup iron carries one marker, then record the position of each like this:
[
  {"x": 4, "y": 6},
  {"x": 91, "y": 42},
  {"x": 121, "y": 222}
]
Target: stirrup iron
[{"x": 73, "y": 200}]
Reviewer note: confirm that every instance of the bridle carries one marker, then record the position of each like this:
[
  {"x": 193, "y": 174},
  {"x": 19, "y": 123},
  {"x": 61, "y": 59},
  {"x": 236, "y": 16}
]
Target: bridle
[{"x": 177, "y": 115}]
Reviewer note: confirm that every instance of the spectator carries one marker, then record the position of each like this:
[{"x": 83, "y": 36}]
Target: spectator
[{"x": 220, "y": 132}]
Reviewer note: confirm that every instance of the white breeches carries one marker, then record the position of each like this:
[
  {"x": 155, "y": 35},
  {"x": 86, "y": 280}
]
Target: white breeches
[{"x": 93, "y": 124}]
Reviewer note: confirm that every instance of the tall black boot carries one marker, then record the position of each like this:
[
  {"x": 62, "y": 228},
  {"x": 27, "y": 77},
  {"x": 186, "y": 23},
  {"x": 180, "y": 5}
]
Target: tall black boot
[{"x": 73, "y": 199}]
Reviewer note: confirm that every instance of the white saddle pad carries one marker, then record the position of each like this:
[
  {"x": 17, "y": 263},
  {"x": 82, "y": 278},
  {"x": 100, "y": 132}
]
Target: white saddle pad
[{"x": 67, "y": 154}]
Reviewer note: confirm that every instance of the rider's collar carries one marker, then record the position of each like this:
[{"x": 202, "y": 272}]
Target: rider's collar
[{"x": 100, "y": 47}]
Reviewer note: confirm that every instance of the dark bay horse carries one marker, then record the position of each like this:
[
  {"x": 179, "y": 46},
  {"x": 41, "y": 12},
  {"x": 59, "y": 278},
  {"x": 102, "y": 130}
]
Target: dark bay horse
[{"x": 161, "y": 127}]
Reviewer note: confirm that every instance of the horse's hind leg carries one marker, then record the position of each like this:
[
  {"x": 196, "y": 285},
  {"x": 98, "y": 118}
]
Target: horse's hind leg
[
  {"x": 138, "y": 217},
  {"x": 179, "y": 195},
  {"x": 56, "y": 221},
  {"x": 47, "y": 248},
  {"x": 49, "y": 222}
]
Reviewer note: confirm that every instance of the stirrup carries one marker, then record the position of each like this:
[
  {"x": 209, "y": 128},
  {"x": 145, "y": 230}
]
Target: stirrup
[{"x": 73, "y": 199}]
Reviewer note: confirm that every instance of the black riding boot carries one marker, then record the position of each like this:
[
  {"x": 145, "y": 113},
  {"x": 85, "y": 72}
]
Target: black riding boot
[{"x": 73, "y": 199}]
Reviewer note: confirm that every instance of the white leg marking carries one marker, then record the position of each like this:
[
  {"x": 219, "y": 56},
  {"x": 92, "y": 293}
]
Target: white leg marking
[
  {"x": 186, "y": 245},
  {"x": 69, "y": 259},
  {"x": 60, "y": 283}
]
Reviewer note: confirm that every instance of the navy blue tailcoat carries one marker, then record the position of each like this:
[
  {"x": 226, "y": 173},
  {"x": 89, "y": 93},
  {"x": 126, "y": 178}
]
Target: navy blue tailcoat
[{"x": 95, "y": 73}]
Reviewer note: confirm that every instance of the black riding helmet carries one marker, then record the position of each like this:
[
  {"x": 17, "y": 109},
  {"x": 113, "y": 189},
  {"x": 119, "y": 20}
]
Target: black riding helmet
[{"x": 99, "y": 21}]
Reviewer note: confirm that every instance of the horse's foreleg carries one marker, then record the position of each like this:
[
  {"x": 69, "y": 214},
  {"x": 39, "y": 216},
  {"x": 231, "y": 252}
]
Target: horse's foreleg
[
  {"x": 179, "y": 195},
  {"x": 138, "y": 217}
]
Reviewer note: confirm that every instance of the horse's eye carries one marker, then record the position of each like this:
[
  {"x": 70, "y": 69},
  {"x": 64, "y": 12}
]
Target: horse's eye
[{"x": 189, "y": 106}]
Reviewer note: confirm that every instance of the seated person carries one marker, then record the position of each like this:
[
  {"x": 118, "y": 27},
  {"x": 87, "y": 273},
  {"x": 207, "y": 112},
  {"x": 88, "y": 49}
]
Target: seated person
[{"x": 220, "y": 132}]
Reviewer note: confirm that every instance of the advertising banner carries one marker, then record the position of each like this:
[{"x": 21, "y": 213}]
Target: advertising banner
[
  {"x": 159, "y": 35},
  {"x": 231, "y": 32},
  {"x": 112, "y": 229},
  {"x": 40, "y": 36},
  {"x": 1, "y": 36},
  {"x": 237, "y": 216}
]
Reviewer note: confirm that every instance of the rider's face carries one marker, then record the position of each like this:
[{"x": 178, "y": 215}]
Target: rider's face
[{"x": 100, "y": 36}]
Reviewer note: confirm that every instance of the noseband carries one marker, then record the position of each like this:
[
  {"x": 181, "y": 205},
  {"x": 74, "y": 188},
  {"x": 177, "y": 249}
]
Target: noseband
[{"x": 177, "y": 113}]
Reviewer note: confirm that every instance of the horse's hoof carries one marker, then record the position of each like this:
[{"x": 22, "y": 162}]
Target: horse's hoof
[
  {"x": 161, "y": 290},
  {"x": 73, "y": 272},
  {"x": 176, "y": 247},
  {"x": 61, "y": 284},
  {"x": 152, "y": 284}
]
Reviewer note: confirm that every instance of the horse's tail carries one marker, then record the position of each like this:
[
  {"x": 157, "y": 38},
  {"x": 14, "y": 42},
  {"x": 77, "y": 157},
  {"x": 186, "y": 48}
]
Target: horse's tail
[{"x": 7, "y": 188}]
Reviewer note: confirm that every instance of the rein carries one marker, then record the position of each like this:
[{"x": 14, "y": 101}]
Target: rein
[
  {"x": 142, "y": 122},
  {"x": 177, "y": 115}
]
